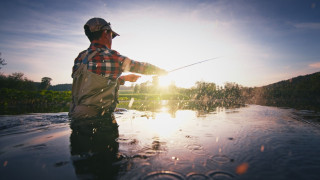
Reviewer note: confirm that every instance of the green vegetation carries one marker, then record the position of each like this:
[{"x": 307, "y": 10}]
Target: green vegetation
[
  {"x": 146, "y": 96},
  {"x": 20, "y": 95},
  {"x": 15, "y": 101},
  {"x": 61, "y": 87}
]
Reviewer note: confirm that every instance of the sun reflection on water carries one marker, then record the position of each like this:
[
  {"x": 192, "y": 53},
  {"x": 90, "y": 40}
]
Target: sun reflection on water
[{"x": 163, "y": 124}]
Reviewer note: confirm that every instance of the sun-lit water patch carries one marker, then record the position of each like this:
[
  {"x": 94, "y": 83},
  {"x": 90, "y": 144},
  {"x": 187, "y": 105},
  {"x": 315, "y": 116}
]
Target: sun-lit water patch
[
  {"x": 163, "y": 124},
  {"x": 49, "y": 137}
]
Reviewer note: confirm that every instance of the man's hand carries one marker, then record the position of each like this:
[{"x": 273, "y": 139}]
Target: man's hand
[
  {"x": 131, "y": 77},
  {"x": 162, "y": 72}
]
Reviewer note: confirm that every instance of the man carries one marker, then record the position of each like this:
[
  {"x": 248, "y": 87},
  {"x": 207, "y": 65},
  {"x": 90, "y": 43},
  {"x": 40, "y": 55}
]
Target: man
[
  {"x": 94, "y": 149},
  {"x": 97, "y": 72}
]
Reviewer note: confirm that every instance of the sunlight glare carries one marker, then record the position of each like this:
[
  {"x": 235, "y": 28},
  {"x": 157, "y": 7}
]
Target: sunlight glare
[
  {"x": 165, "y": 81},
  {"x": 164, "y": 125},
  {"x": 164, "y": 109}
]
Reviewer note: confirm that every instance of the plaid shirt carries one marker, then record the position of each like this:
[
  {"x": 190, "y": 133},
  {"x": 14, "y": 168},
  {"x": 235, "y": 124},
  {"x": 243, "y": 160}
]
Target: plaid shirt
[{"x": 110, "y": 64}]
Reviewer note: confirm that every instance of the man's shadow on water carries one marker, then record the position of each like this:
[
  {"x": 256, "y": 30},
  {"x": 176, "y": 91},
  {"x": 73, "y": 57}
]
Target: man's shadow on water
[{"x": 94, "y": 148}]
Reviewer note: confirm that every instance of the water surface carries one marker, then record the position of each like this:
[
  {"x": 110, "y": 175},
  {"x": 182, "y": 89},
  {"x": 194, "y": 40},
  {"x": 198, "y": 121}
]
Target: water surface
[{"x": 253, "y": 142}]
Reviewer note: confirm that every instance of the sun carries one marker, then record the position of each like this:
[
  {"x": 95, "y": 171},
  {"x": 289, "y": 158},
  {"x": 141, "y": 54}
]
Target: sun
[{"x": 165, "y": 81}]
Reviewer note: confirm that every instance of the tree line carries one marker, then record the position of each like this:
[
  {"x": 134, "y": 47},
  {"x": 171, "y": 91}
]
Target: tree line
[
  {"x": 302, "y": 92},
  {"x": 21, "y": 95},
  {"x": 18, "y": 81}
]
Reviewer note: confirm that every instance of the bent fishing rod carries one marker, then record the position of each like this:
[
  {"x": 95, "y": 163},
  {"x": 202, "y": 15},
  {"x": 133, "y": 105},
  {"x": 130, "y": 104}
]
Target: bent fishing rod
[{"x": 193, "y": 64}]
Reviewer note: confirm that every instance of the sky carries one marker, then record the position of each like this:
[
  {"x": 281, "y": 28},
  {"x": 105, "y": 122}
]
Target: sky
[{"x": 257, "y": 42}]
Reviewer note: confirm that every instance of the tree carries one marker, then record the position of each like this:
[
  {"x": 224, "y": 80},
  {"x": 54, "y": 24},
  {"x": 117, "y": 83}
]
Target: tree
[
  {"x": 172, "y": 87},
  {"x": 136, "y": 88},
  {"x": 154, "y": 84},
  {"x": 145, "y": 87},
  {"x": 16, "y": 76},
  {"x": 45, "y": 83},
  {"x": 2, "y": 62},
  {"x": 17, "y": 81},
  {"x": 205, "y": 89}
]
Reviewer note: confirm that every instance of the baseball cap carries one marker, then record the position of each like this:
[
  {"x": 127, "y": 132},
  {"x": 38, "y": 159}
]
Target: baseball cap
[{"x": 98, "y": 24}]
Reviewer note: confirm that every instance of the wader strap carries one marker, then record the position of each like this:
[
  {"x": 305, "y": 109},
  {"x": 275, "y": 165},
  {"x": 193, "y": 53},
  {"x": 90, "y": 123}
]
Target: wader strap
[{"x": 88, "y": 58}]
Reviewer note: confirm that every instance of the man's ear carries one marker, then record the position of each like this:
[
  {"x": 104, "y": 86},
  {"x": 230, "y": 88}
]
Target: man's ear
[{"x": 104, "y": 35}]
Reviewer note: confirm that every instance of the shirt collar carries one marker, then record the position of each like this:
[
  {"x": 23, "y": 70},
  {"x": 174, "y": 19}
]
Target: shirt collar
[{"x": 98, "y": 47}]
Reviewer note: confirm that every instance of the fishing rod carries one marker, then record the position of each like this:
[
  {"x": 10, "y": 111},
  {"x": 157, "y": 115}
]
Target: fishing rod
[{"x": 193, "y": 64}]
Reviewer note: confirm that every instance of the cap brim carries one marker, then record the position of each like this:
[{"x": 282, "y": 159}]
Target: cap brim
[{"x": 114, "y": 34}]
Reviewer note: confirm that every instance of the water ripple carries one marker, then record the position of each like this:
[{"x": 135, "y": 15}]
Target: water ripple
[
  {"x": 196, "y": 149},
  {"x": 220, "y": 175},
  {"x": 196, "y": 176},
  {"x": 167, "y": 175},
  {"x": 220, "y": 159}
]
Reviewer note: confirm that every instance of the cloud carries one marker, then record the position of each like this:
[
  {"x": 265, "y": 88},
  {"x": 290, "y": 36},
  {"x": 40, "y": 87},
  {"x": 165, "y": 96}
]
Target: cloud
[
  {"x": 42, "y": 34},
  {"x": 42, "y": 18},
  {"x": 315, "y": 65},
  {"x": 315, "y": 26}
]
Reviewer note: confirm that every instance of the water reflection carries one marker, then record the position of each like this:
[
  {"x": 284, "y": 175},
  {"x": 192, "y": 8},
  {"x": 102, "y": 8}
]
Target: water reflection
[
  {"x": 255, "y": 142},
  {"x": 224, "y": 143},
  {"x": 172, "y": 106},
  {"x": 94, "y": 148},
  {"x": 167, "y": 143}
]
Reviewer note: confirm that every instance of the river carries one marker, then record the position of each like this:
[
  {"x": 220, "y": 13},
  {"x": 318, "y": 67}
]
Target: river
[{"x": 252, "y": 142}]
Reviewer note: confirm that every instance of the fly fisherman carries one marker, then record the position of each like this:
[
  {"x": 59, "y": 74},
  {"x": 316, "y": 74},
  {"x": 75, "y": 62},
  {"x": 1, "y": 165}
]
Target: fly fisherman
[{"x": 97, "y": 73}]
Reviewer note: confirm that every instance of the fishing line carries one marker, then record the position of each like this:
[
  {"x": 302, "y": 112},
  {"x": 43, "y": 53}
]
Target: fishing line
[{"x": 193, "y": 64}]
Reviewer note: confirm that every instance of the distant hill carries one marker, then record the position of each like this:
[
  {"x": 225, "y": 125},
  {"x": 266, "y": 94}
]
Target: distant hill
[
  {"x": 307, "y": 81},
  {"x": 127, "y": 88},
  {"x": 302, "y": 92},
  {"x": 61, "y": 87}
]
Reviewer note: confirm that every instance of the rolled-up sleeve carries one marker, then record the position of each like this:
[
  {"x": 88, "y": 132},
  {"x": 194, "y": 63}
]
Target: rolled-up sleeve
[{"x": 129, "y": 65}]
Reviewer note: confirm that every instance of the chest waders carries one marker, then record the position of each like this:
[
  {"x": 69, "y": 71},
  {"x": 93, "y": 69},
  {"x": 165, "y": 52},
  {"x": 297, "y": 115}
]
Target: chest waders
[{"x": 92, "y": 95}]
